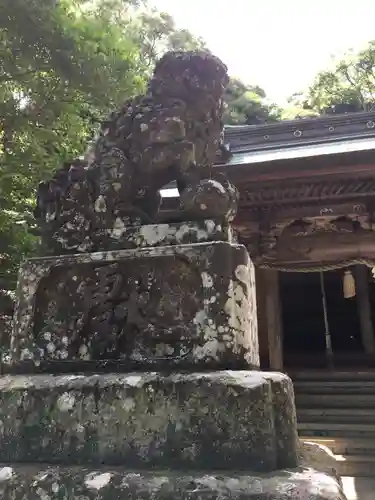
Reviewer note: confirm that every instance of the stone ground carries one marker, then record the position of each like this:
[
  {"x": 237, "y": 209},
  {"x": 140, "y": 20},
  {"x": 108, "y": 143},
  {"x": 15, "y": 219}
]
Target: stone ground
[{"x": 359, "y": 488}]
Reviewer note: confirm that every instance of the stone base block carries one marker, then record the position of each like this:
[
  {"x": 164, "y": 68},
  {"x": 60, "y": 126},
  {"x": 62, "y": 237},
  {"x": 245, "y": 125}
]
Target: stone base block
[
  {"x": 230, "y": 419},
  {"x": 177, "y": 306},
  {"x": 64, "y": 483}
]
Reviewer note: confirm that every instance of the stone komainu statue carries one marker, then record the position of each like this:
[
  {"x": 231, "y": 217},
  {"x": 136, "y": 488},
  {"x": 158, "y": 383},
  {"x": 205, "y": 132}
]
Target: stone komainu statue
[{"x": 172, "y": 133}]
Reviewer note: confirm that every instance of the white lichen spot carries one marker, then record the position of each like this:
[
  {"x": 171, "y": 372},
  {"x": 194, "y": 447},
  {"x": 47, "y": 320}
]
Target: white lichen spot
[
  {"x": 210, "y": 225},
  {"x": 242, "y": 273},
  {"x": 66, "y": 402},
  {"x": 26, "y": 354},
  {"x": 65, "y": 340},
  {"x": 200, "y": 317},
  {"x": 50, "y": 216},
  {"x": 6, "y": 473},
  {"x": 83, "y": 352},
  {"x": 42, "y": 494},
  {"x": 47, "y": 336},
  {"x": 79, "y": 428},
  {"x": 169, "y": 350},
  {"x": 242, "y": 318},
  {"x": 207, "y": 280},
  {"x": 143, "y": 127},
  {"x": 51, "y": 348},
  {"x": 218, "y": 186},
  {"x": 236, "y": 307},
  {"x": 154, "y": 234},
  {"x": 203, "y": 206},
  {"x": 97, "y": 256},
  {"x": 100, "y": 204},
  {"x": 210, "y": 482},
  {"x": 55, "y": 488},
  {"x": 97, "y": 481},
  {"x": 128, "y": 404},
  {"x": 209, "y": 349},
  {"x": 118, "y": 228},
  {"x": 133, "y": 380}
]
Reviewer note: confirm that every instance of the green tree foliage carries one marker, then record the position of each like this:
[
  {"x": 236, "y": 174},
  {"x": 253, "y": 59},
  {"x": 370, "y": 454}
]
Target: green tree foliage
[
  {"x": 247, "y": 105},
  {"x": 156, "y": 32},
  {"x": 349, "y": 86},
  {"x": 298, "y": 108},
  {"x": 152, "y": 31},
  {"x": 60, "y": 70}
]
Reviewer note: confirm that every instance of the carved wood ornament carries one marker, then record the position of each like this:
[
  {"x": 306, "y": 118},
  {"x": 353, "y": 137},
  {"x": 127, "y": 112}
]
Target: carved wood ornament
[{"x": 308, "y": 223}]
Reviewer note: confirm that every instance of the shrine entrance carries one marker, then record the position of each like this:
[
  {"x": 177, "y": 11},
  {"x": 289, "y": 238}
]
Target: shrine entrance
[
  {"x": 317, "y": 320},
  {"x": 323, "y": 323}
]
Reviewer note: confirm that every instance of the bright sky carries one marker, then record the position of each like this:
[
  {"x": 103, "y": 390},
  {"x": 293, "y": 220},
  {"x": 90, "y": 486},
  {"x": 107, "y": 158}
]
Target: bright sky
[{"x": 277, "y": 44}]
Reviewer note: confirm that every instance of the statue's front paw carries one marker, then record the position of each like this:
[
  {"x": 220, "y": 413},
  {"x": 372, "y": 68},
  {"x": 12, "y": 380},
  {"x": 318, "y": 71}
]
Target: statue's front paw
[{"x": 210, "y": 198}]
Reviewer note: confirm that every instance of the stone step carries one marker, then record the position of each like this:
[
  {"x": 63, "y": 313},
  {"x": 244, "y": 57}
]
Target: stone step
[
  {"x": 328, "y": 415},
  {"x": 48, "y": 482},
  {"x": 335, "y": 401},
  {"x": 334, "y": 387},
  {"x": 340, "y": 412},
  {"x": 356, "y": 465},
  {"x": 324, "y": 376},
  {"x": 345, "y": 446},
  {"x": 348, "y": 464},
  {"x": 337, "y": 429}
]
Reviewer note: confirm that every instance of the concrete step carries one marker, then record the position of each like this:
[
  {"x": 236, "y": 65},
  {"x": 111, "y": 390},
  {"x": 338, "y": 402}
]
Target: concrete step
[
  {"x": 336, "y": 415},
  {"x": 323, "y": 376},
  {"x": 345, "y": 445},
  {"x": 337, "y": 410},
  {"x": 358, "y": 465},
  {"x": 337, "y": 429},
  {"x": 334, "y": 387},
  {"x": 340, "y": 412},
  {"x": 335, "y": 401}
]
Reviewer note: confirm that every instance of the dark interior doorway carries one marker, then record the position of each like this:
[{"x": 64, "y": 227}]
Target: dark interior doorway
[{"x": 303, "y": 318}]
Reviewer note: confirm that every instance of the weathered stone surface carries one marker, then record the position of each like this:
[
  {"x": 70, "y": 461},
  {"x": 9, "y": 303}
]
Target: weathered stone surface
[
  {"x": 218, "y": 419},
  {"x": 172, "y": 133},
  {"x": 151, "y": 235},
  {"x": 183, "y": 305},
  {"x": 20, "y": 482},
  {"x": 285, "y": 418},
  {"x": 318, "y": 457}
]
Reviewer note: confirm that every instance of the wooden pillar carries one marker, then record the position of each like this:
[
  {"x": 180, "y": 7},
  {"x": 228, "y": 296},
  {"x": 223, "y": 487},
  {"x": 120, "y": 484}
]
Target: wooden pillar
[
  {"x": 269, "y": 317},
  {"x": 364, "y": 309}
]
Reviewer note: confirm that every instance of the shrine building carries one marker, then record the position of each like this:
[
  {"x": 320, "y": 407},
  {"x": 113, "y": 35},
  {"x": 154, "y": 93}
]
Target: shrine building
[{"x": 307, "y": 216}]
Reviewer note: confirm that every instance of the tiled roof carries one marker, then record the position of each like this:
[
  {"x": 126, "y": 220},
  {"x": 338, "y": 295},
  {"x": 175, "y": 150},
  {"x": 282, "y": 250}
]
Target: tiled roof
[{"x": 302, "y": 137}]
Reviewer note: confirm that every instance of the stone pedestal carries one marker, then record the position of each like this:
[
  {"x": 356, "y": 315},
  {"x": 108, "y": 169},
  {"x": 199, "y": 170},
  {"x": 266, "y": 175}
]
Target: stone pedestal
[
  {"x": 225, "y": 419},
  {"x": 63, "y": 483},
  {"x": 80, "y": 394},
  {"x": 177, "y": 306}
]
